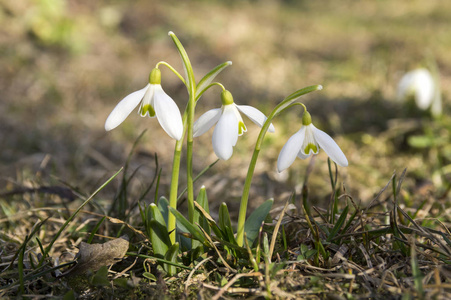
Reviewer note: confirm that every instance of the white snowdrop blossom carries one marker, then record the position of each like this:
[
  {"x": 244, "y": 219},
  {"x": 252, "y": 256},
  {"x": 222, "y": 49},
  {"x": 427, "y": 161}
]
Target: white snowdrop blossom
[
  {"x": 420, "y": 84},
  {"x": 154, "y": 102},
  {"x": 229, "y": 124},
  {"x": 307, "y": 141}
]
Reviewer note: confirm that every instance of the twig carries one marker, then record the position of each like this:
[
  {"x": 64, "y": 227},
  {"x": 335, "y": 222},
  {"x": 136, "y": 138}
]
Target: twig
[{"x": 194, "y": 270}]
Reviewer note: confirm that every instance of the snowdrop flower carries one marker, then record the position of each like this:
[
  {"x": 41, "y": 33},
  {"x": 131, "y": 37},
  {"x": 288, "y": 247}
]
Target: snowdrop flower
[
  {"x": 229, "y": 125},
  {"x": 154, "y": 102},
  {"x": 307, "y": 141},
  {"x": 420, "y": 84}
]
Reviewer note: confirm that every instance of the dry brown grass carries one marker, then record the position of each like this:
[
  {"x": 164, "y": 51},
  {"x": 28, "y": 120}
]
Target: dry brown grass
[{"x": 59, "y": 83}]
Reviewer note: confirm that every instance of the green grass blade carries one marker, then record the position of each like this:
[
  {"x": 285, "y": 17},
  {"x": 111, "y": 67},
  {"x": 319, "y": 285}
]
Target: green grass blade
[
  {"x": 93, "y": 233},
  {"x": 339, "y": 224},
  {"x": 417, "y": 275},
  {"x": 161, "y": 260},
  {"x": 49, "y": 247}
]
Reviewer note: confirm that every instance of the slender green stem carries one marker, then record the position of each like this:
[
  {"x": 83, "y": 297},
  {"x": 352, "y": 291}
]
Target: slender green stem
[
  {"x": 172, "y": 69},
  {"x": 250, "y": 171},
  {"x": 209, "y": 86},
  {"x": 175, "y": 180},
  {"x": 189, "y": 159},
  {"x": 191, "y": 86},
  {"x": 174, "y": 188}
]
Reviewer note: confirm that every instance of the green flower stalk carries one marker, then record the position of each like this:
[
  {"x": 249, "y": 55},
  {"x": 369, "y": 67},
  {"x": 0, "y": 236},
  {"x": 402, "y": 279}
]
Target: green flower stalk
[
  {"x": 194, "y": 93},
  {"x": 250, "y": 172}
]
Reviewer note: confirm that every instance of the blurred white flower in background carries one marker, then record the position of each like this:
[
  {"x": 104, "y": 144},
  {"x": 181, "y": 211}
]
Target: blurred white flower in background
[{"x": 420, "y": 85}]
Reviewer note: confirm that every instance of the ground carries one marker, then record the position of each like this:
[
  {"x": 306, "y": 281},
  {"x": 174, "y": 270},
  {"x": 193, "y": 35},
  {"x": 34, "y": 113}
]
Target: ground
[{"x": 66, "y": 64}]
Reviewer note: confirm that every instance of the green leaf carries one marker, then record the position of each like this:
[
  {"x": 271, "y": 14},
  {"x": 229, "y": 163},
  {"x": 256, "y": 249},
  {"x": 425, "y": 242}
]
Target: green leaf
[
  {"x": 160, "y": 243},
  {"x": 70, "y": 295},
  {"x": 163, "y": 204},
  {"x": 253, "y": 223},
  {"x": 204, "y": 82},
  {"x": 159, "y": 232},
  {"x": 339, "y": 224},
  {"x": 193, "y": 230},
  {"x": 202, "y": 200},
  {"x": 150, "y": 276},
  {"x": 230, "y": 235},
  {"x": 224, "y": 218},
  {"x": 186, "y": 62},
  {"x": 100, "y": 278},
  {"x": 200, "y": 219},
  {"x": 211, "y": 222},
  {"x": 421, "y": 141},
  {"x": 171, "y": 255}
]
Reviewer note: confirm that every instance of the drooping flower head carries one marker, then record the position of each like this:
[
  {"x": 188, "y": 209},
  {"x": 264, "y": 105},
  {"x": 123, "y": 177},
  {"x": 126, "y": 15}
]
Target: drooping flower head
[
  {"x": 307, "y": 141},
  {"x": 154, "y": 102},
  {"x": 229, "y": 124},
  {"x": 420, "y": 84}
]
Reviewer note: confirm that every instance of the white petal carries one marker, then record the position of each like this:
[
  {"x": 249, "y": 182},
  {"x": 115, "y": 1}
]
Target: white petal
[
  {"x": 255, "y": 115},
  {"x": 424, "y": 88},
  {"x": 290, "y": 150},
  {"x": 302, "y": 155},
  {"x": 124, "y": 108},
  {"x": 168, "y": 113},
  {"x": 206, "y": 121},
  {"x": 330, "y": 147},
  {"x": 225, "y": 134}
]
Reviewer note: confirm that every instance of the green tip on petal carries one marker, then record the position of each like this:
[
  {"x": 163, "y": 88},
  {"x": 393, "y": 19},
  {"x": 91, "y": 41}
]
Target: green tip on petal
[
  {"x": 155, "y": 76},
  {"x": 241, "y": 128},
  {"x": 226, "y": 98},
  {"x": 147, "y": 108},
  {"x": 306, "y": 118},
  {"x": 309, "y": 147}
]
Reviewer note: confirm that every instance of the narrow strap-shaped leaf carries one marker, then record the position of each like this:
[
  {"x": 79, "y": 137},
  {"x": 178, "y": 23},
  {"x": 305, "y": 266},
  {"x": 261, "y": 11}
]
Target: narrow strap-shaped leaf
[
  {"x": 163, "y": 204},
  {"x": 209, "y": 77},
  {"x": 157, "y": 237},
  {"x": 202, "y": 200},
  {"x": 193, "y": 230},
  {"x": 230, "y": 236},
  {"x": 339, "y": 224},
  {"x": 253, "y": 223},
  {"x": 210, "y": 220},
  {"x": 159, "y": 232},
  {"x": 224, "y": 217},
  {"x": 186, "y": 62},
  {"x": 171, "y": 255}
]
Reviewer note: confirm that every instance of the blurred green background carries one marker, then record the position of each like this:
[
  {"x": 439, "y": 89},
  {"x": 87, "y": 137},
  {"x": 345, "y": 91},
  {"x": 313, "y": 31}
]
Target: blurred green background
[{"x": 65, "y": 64}]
